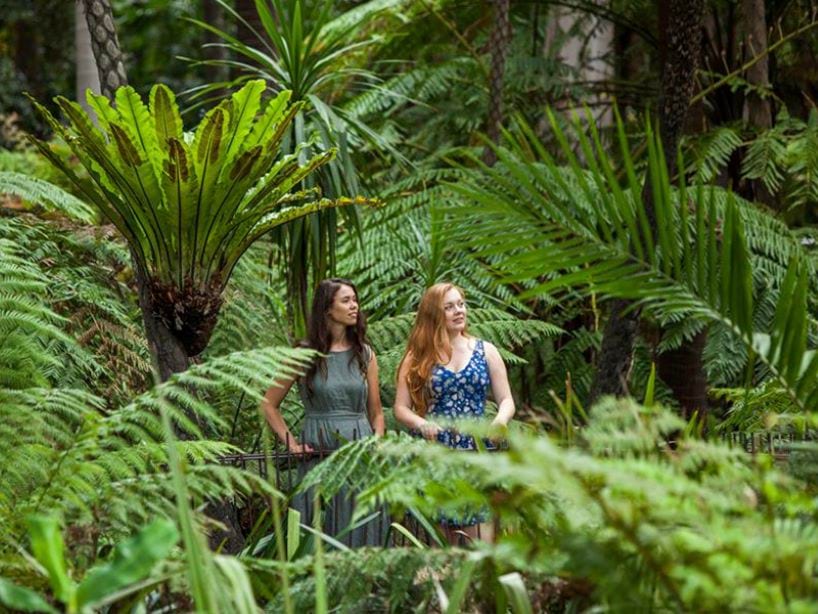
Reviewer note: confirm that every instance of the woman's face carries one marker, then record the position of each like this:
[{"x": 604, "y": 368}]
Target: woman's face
[
  {"x": 454, "y": 310},
  {"x": 344, "y": 309}
]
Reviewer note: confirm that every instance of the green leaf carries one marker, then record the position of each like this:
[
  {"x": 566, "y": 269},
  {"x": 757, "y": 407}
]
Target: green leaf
[
  {"x": 461, "y": 586},
  {"x": 408, "y": 535},
  {"x": 245, "y": 104},
  {"x": 270, "y": 119},
  {"x": 166, "y": 117},
  {"x": 514, "y": 589},
  {"x": 137, "y": 120},
  {"x": 238, "y": 596},
  {"x": 22, "y": 599},
  {"x": 133, "y": 561},
  {"x": 293, "y": 532},
  {"x": 650, "y": 390},
  {"x": 47, "y": 546}
]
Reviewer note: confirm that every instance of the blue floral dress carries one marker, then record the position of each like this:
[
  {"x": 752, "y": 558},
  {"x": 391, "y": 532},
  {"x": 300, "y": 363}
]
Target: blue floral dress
[{"x": 458, "y": 395}]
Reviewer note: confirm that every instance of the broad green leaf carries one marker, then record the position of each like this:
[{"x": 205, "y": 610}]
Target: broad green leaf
[
  {"x": 47, "y": 546},
  {"x": 167, "y": 120},
  {"x": 270, "y": 119},
  {"x": 245, "y": 104},
  {"x": 514, "y": 589},
  {"x": 293, "y": 532},
  {"x": 22, "y": 599},
  {"x": 133, "y": 560}
]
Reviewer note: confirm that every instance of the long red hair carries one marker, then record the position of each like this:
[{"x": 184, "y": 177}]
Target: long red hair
[{"x": 428, "y": 344}]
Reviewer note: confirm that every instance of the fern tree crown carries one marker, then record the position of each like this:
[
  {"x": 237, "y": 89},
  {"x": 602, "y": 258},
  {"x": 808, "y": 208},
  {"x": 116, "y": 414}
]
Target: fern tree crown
[{"x": 189, "y": 203}]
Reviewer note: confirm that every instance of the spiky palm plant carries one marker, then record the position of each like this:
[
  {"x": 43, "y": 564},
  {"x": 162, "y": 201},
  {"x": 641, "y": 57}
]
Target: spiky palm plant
[{"x": 188, "y": 203}]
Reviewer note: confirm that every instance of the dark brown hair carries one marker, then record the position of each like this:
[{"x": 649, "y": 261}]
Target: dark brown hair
[{"x": 319, "y": 336}]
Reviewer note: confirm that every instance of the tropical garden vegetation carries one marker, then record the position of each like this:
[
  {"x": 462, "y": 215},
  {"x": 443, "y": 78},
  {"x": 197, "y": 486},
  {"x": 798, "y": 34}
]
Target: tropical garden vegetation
[{"x": 624, "y": 190}]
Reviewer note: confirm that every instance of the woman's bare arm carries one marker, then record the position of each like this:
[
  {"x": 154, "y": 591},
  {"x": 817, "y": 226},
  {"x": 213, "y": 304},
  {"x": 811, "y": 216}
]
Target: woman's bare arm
[
  {"x": 270, "y": 405},
  {"x": 500, "y": 388},
  {"x": 403, "y": 407},
  {"x": 374, "y": 407}
]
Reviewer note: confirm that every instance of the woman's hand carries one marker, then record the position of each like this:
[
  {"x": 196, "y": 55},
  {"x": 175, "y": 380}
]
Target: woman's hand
[
  {"x": 300, "y": 448},
  {"x": 429, "y": 430},
  {"x": 498, "y": 430}
]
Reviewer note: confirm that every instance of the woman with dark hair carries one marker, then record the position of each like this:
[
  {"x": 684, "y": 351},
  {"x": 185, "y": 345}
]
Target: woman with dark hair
[
  {"x": 340, "y": 394},
  {"x": 445, "y": 375}
]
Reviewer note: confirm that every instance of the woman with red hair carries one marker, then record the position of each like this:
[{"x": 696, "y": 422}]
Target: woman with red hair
[{"x": 445, "y": 374}]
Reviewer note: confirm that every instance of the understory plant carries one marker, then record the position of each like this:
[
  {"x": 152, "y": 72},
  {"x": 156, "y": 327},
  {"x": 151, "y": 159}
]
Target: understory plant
[{"x": 635, "y": 514}]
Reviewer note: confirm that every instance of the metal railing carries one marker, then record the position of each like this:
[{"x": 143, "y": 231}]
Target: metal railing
[{"x": 287, "y": 469}]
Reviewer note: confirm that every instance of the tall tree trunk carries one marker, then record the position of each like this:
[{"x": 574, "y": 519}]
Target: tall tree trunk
[
  {"x": 166, "y": 350},
  {"x": 757, "y": 111},
  {"x": 682, "y": 35},
  {"x": 168, "y": 355},
  {"x": 87, "y": 76},
  {"x": 498, "y": 44},
  {"x": 588, "y": 43},
  {"x": 105, "y": 44},
  {"x": 682, "y": 369}
]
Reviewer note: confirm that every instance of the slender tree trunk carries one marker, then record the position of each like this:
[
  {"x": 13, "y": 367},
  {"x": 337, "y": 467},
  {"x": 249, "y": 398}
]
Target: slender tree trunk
[
  {"x": 166, "y": 350},
  {"x": 105, "y": 44},
  {"x": 682, "y": 35},
  {"x": 168, "y": 355},
  {"x": 682, "y": 369},
  {"x": 498, "y": 43},
  {"x": 87, "y": 75},
  {"x": 757, "y": 111}
]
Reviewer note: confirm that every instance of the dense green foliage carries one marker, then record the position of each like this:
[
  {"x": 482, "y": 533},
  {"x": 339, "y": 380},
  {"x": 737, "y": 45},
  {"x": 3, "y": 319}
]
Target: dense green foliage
[{"x": 110, "y": 478}]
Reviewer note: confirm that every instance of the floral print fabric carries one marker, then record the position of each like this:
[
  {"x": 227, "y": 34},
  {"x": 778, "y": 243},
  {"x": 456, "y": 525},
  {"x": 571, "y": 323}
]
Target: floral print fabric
[{"x": 457, "y": 395}]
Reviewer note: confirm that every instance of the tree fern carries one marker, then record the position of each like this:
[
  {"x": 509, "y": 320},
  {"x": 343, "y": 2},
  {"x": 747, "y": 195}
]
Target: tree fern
[{"x": 405, "y": 248}]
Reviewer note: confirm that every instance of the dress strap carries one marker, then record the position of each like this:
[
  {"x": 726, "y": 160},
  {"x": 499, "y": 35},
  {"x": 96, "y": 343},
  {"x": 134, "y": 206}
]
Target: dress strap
[{"x": 478, "y": 348}]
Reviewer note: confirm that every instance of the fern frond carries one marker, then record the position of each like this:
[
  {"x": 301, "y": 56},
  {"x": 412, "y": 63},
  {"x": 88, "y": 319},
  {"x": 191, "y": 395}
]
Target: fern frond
[{"x": 48, "y": 195}]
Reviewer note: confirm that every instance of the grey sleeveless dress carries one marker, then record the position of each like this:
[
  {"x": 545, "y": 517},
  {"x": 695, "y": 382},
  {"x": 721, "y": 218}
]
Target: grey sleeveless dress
[
  {"x": 334, "y": 413},
  {"x": 335, "y": 410}
]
